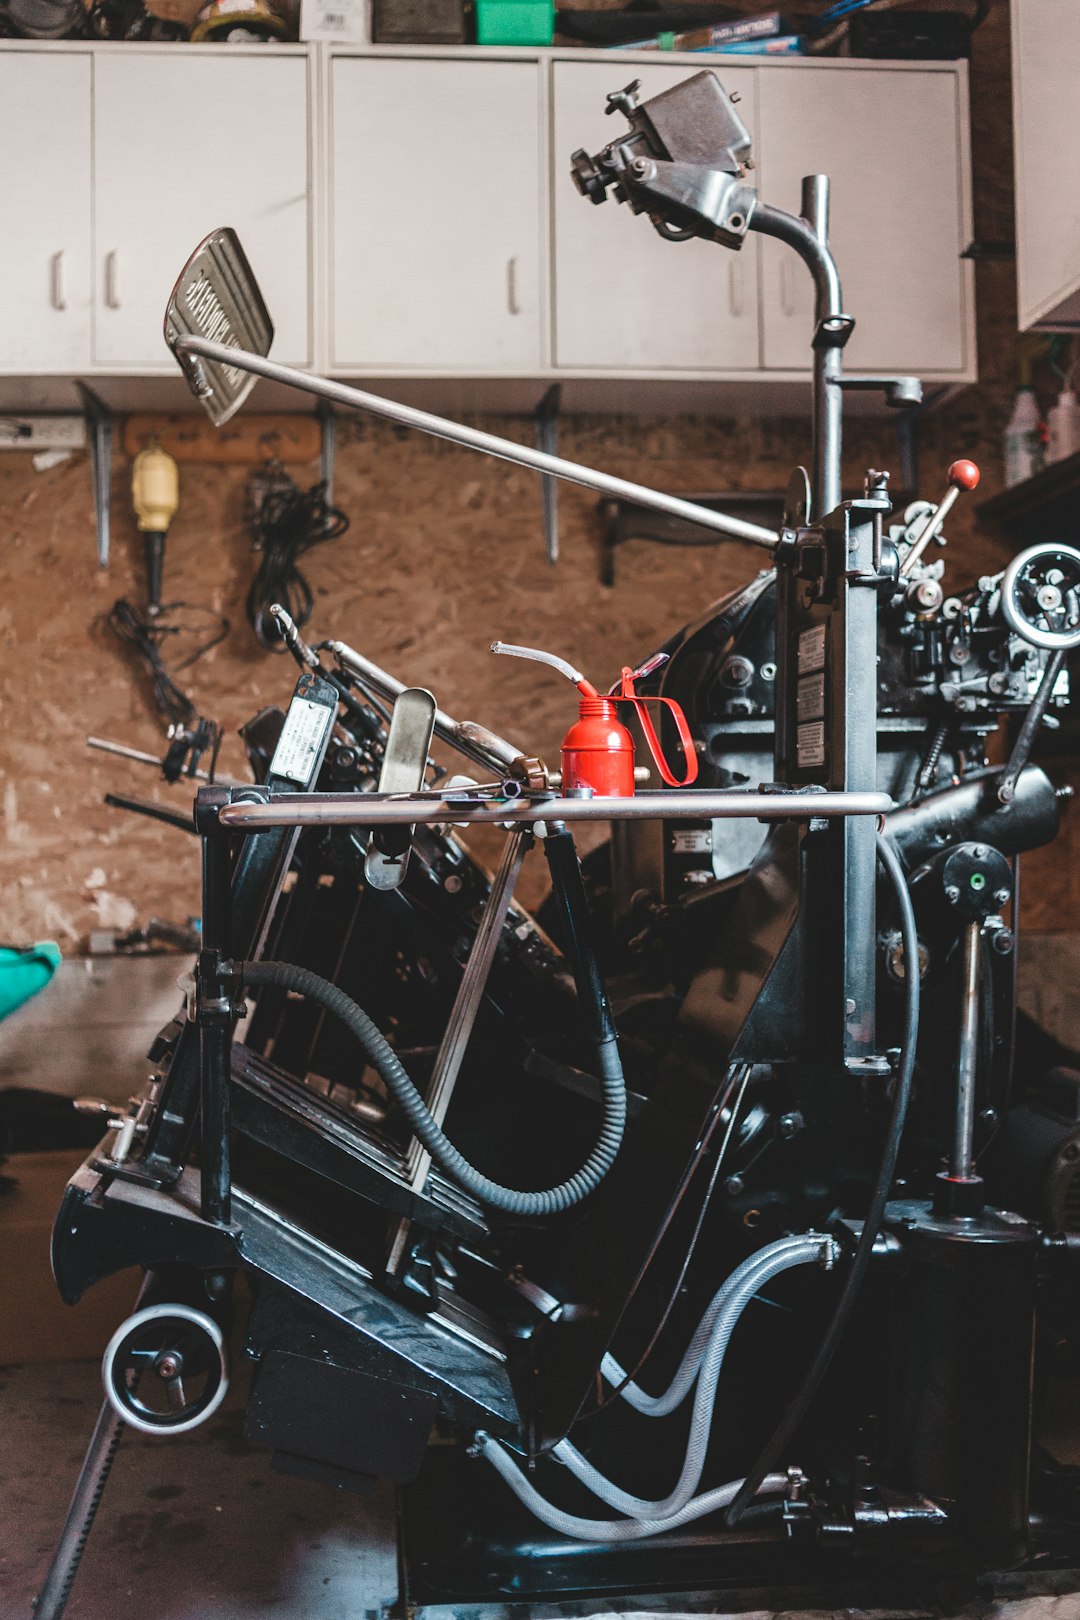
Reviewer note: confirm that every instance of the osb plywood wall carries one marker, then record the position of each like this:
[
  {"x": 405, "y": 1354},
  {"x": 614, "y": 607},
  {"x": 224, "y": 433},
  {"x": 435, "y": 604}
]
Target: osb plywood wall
[{"x": 445, "y": 553}]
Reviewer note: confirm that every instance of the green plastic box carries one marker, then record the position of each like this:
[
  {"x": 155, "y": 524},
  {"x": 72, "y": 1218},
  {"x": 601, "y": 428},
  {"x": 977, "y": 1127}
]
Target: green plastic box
[{"x": 515, "y": 22}]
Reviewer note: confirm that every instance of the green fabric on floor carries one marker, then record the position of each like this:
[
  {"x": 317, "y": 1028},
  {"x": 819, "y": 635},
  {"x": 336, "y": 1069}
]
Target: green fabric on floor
[{"x": 23, "y": 972}]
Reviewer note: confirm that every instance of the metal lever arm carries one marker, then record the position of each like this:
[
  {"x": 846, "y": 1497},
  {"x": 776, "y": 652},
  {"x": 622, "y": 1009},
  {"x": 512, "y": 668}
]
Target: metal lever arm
[
  {"x": 483, "y": 747},
  {"x": 441, "y": 427},
  {"x": 962, "y": 475},
  {"x": 1025, "y": 740}
]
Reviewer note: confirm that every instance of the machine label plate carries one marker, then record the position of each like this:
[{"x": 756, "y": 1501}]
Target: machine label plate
[
  {"x": 812, "y": 649},
  {"x": 811, "y": 744},
  {"x": 692, "y": 841},
  {"x": 297, "y": 752},
  {"x": 810, "y": 698}
]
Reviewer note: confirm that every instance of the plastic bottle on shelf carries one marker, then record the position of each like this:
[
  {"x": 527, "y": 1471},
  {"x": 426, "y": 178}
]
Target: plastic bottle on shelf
[
  {"x": 1024, "y": 443},
  {"x": 1063, "y": 423}
]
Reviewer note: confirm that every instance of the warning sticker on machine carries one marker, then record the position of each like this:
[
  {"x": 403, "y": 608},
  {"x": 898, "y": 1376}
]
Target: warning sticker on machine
[
  {"x": 812, "y": 649},
  {"x": 811, "y": 745},
  {"x": 810, "y": 697},
  {"x": 692, "y": 840},
  {"x": 297, "y": 753}
]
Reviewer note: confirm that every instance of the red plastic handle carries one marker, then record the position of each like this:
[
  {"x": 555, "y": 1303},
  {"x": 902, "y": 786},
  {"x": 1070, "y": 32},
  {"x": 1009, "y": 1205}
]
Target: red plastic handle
[
  {"x": 628, "y": 695},
  {"x": 963, "y": 475}
]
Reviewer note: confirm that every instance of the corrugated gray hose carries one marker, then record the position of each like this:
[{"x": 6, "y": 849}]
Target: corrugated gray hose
[
  {"x": 703, "y": 1360},
  {"x": 286, "y": 976}
]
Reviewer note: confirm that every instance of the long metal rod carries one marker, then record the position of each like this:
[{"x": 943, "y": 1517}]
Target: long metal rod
[
  {"x": 215, "y": 1021},
  {"x": 462, "y": 1018},
  {"x": 476, "y": 742},
  {"x": 490, "y": 444},
  {"x": 141, "y": 757},
  {"x": 963, "y": 1161},
  {"x": 809, "y": 236},
  {"x": 470, "y": 994},
  {"x": 369, "y": 810}
]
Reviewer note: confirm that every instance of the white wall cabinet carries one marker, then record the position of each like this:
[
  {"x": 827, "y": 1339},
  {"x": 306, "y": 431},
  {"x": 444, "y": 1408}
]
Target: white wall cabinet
[
  {"x": 410, "y": 215},
  {"x": 118, "y": 160},
  {"x": 892, "y": 145},
  {"x": 45, "y": 212},
  {"x": 237, "y": 155},
  {"x": 435, "y": 215},
  {"x": 1046, "y": 142},
  {"x": 625, "y": 299}
]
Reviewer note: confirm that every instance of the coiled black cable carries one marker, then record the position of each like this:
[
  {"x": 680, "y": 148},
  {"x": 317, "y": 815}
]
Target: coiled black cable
[
  {"x": 287, "y": 523},
  {"x": 144, "y": 637},
  {"x": 785, "y": 1430},
  {"x": 191, "y": 734}
]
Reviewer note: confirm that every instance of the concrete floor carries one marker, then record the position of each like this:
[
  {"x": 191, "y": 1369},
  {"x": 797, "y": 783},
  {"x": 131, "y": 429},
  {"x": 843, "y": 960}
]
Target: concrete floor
[
  {"x": 200, "y": 1528},
  {"x": 194, "y": 1528}
]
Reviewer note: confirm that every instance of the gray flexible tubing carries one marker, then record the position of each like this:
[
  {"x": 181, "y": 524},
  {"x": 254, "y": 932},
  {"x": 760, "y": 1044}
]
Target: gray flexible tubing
[
  {"x": 568, "y": 1524},
  {"x": 670, "y": 1399},
  {"x": 743, "y": 1284},
  {"x": 552, "y": 1200}
]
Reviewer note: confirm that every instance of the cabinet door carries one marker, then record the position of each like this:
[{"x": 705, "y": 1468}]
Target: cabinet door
[
  {"x": 45, "y": 211},
  {"x": 1045, "y": 65},
  {"x": 624, "y": 298},
  {"x": 889, "y": 140},
  {"x": 183, "y": 143},
  {"x": 435, "y": 215}
]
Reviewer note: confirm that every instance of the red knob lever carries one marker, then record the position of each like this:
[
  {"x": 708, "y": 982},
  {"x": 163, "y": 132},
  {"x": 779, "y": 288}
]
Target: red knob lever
[
  {"x": 961, "y": 475},
  {"x": 964, "y": 475}
]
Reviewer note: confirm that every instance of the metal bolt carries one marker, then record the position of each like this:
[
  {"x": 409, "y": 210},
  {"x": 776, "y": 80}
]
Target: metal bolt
[
  {"x": 989, "y": 1117},
  {"x": 926, "y": 594},
  {"x": 452, "y": 884},
  {"x": 952, "y": 894},
  {"x": 168, "y": 1366},
  {"x": 1002, "y": 941},
  {"x": 1001, "y": 897},
  {"x": 733, "y": 1186},
  {"x": 737, "y": 671},
  {"x": 979, "y": 852},
  {"x": 640, "y": 165},
  {"x": 790, "y": 1125}
]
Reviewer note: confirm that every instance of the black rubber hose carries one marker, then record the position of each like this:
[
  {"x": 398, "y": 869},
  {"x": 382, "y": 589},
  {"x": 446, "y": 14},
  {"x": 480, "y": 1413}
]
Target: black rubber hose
[
  {"x": 785, "y": 1430},
  {"x": 572, "y": 906},
  {"x": 285, "y": 976}
]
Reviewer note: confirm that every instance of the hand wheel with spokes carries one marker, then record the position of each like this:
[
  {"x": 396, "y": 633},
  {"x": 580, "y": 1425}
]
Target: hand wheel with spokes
[
  {"x": 1040, "y": 596},
  {"x": 165, "y": 1369}
]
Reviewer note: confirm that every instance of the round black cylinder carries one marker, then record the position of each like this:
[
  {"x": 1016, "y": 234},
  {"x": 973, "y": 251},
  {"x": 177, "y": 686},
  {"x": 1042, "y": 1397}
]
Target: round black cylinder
[{"x": 964, "y": 1335}]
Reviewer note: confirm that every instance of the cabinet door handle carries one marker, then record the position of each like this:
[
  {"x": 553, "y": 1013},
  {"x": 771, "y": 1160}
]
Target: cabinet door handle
[
  {"x": 112, "y": 280},
  {"x": 787, "y": 286},
  {"x": 511, "y": 287},
  {"x": 736, "y": 301},
  {"x": 56, "y": 281}
]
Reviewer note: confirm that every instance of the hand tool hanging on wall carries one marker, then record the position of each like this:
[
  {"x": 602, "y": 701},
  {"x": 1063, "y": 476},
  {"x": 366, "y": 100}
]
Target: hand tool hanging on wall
[{"x": 155, "y": 495}]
